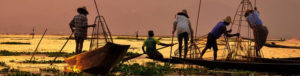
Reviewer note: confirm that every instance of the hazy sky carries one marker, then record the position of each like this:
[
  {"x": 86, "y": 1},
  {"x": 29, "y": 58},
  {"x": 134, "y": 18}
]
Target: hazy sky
[{"x": 125, "y": 17}]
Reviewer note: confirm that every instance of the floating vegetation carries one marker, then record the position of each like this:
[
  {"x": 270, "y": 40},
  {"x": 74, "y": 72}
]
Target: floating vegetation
[
  {"x": 152, "y": 68},
  {"x": 134, "y": 48},
  {"x": 43, "y": 61},
  {"x": 72, "y": 74},
  {"x": 54, "y": 54},
  {"x": 131, "y": 53},
  {"x": 51, "y": 70},
  {"x": 19, "y": 38},
  {"x": 235, "y": 71},
  {"x": 16, "y": 72},
  {"x": 2, "y": 64},
  {"x": 11, "y": 60},
  {"x": 50, "y": 54},
  {"x": 16, "y": 43},
  {"x": 7, "y": 53}
]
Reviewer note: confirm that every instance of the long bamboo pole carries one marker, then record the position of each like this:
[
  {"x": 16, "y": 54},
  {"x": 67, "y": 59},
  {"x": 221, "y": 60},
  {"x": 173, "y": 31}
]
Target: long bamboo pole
[
  {"x": 198, "y": 18},
  {"x": 171, "y": 46},
  {"x": 38, "y": 45},
  {"x": 62, "y": 48}
]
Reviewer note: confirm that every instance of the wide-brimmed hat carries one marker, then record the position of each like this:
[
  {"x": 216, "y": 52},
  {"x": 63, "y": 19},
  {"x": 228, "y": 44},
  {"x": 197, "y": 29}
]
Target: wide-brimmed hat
[
  {"x": 82, "y": 10},
  {"x": 247, "y": 13},
  {"x": 227, "y": 19},
  {"x": 83, "y": 7},
  {"x": 184, "y": 11}
]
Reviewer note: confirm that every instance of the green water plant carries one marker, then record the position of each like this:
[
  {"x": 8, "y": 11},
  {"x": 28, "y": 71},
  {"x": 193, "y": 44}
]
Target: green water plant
[
  {"x": 16, "y": 43},
  {"x": 16, "y": 72},
  {"x": 42, "y": 61},
  {"x": 50, "y": 70},
  {"x": 49, "y": 54},
  {"x": 2, "y": 64},
  {"x": 152, "y": 68}
]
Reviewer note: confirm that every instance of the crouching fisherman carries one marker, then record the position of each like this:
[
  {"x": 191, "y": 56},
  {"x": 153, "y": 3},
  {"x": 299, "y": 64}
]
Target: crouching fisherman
[
  {"x": 216, "y": 32},
  {"x": 150, "y": 44}
]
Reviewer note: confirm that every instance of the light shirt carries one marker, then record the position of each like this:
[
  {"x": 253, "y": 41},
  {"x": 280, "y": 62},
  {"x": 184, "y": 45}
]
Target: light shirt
[
  {"x": 256, "y": 19},
  {"x": 182, "y": 24}
]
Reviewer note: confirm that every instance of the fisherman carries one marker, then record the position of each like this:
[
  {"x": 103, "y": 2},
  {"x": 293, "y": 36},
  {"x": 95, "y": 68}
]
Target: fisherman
[
  {"x": 150, "y": 44},
  {"x": 260, "y": 32},
  {"x": 79, "y": 26},
  {"x": 183, "y": 26},
  {"x": 216, "y": 32},
  {"x": 137, "y": 35}
]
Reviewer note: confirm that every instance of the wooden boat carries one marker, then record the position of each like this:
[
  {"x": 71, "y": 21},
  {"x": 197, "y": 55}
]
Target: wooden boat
[
  {"x": 294, "y": 59},
  {"x": 168, "y": 60},
  {"x": 98, "y": 61},
  {"x": 274, "y": 45},
  {"x": 274, "y": 60},
  {"x": 244, "y": 65}
]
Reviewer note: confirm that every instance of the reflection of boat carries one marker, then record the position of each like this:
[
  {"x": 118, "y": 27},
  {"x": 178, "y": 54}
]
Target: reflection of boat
[{"x": 244, "y": 65}]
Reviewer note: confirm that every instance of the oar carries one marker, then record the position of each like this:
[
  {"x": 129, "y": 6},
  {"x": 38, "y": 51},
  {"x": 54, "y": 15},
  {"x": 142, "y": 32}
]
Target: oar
[
  {"x": 37, "y": 46},
  {"x": 171, "y": 46},
  {"x": 138, "y": 55},
  {"x": 62, "y": 48},
  {"x": 166, "y": 46}
]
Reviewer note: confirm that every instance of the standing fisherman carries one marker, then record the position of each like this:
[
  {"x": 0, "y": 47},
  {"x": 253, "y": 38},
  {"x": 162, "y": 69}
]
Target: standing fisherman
[
  {"x": 184, "y": 29},
  {"x": 260, "y": 32},
  {"x": 79, "y": 26},
  {"x": 216, "y": 32}
]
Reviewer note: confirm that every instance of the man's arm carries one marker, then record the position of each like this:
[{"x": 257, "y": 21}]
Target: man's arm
[
  {"x": 159, "y": 43},
  {"x": 174, "y": 27},
  {"x": 164, "y": 44},
  {"x": 226, "y": 33},
  {"x": 191, "y": 31},
  {"x": 249, "y": 23},
  {"x": 71, "y": 24},
  {"x": 86, "y": 22},
  {"x": 143, "y": 48},
  {"x": 93, "y": 25}
]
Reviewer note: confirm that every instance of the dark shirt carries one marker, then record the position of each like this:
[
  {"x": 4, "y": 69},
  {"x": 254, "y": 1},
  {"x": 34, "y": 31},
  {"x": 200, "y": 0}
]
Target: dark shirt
[{"x": 218, "y": 30}]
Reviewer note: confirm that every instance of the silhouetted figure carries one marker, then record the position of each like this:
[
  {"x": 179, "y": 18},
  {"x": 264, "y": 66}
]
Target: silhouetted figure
[
  {"x": 183, "y": 26},
  {"x": 32, "y": 33},
  {"x": 216, "y": 33},
  {"x": 260, "y": 32},
  {"x": 137, "y": 35},
  {"x": 150, "y": 44},
  {"x": 79, "y": 26}
]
